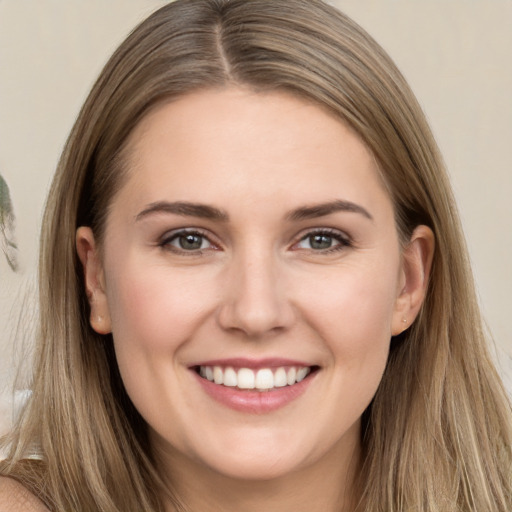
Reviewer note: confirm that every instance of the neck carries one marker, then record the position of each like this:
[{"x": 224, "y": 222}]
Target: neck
[{"x": 327, "y": 485}]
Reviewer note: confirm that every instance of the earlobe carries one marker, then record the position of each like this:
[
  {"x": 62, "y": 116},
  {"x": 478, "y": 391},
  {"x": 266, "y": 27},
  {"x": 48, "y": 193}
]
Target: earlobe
[
  {"x": 417, "y": 259},
  {"x": 94, "y": 280}
]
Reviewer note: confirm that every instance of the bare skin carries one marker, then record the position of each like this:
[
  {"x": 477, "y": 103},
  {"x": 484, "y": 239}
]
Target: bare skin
[
  {"x": 322, "y": 487},
  {"x": 253, "y": 227},
  {"x": 16, "y": 498}
]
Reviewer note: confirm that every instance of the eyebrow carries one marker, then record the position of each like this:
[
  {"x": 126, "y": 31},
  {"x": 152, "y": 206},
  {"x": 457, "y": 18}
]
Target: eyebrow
[
  {"x": 319, "y": 210},
  {"x": 204, "y": 211},
  {"x": 184, "y": 209}
]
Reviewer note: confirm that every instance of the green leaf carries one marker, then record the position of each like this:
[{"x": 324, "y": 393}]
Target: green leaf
[{"x": 7, "y": 220}]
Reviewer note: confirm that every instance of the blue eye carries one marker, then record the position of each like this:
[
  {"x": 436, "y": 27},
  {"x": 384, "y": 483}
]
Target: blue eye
[
  {"x": 187, "y": 241},
  {"x": 323, "y": 241}
]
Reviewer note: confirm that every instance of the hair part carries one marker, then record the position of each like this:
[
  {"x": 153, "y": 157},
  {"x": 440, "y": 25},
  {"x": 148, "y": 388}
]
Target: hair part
[{"x": 437, "y": 436}]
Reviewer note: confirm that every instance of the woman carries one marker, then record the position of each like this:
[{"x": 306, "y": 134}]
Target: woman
[{"x": 262, "y": 296}]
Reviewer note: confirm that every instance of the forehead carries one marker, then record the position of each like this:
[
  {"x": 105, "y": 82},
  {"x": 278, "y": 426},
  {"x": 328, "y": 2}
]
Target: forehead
[{"x": 220, "y": 144}]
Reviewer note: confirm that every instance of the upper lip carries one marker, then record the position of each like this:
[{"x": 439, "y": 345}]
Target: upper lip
[{"x": 242, "y": 362}]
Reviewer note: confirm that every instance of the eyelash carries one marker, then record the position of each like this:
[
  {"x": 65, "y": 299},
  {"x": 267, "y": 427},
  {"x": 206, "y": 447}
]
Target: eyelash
[
  {"x": 343, "y": 240},
  {"x": 165, "y": 243}
]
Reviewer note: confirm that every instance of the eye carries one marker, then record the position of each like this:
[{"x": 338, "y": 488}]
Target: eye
[
  {"x": 186, "y": 241},
  {"x": 323, "y": 241}
]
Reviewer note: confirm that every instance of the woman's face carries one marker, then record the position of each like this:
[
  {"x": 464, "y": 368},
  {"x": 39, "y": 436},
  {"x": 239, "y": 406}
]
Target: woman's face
[{"x": 252, "y": 277}]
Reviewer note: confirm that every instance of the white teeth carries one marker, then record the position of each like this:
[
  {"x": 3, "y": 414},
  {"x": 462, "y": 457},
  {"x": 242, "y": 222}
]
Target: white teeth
[
  {"x": 246, "y": 378},
  {"x": 218, "y": 375},
  {"x": 280, "y": 380},
  {"x": 263, "y": 379},
  {"x": 290, "y": 378},
  {"x": 230, "y": 378},
  {"x": 301, "y": 374}
]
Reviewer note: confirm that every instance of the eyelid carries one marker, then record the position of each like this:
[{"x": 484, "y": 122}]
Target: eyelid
[
  {"x": 165, "y": 240},
  {"x": 342, "y": 237}
]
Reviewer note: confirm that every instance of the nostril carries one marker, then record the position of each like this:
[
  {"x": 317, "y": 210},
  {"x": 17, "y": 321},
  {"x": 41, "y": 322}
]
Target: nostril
[{"x": 255, "y": 318}]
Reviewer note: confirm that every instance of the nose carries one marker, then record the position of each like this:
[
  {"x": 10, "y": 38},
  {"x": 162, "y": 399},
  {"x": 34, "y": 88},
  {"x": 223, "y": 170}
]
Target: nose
[{"x": 255, "y": 300}]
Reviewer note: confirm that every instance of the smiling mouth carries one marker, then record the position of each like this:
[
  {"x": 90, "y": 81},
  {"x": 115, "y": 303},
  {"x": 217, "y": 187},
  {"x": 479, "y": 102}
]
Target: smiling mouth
[{"x": 263, "y": 379}]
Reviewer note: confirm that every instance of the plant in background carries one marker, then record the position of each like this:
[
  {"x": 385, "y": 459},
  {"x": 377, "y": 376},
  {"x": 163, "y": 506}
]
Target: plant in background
[{"x": 7, "y": 243}]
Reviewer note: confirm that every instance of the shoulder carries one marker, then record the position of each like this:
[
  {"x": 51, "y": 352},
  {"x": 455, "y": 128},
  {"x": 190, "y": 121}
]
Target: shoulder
[{"x": 16, "y": 498}]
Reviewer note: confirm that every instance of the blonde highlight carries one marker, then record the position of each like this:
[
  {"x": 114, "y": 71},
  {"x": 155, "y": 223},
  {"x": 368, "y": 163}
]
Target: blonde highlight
[{"x": 437, "y": 436}]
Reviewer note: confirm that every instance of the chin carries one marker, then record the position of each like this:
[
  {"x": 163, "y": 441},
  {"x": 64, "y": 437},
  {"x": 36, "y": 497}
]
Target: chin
[{"x": 255, "y": 469}]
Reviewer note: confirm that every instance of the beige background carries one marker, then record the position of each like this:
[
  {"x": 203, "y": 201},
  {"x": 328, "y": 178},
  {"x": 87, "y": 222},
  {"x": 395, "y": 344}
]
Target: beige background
[{"x": 456, "y": 54}]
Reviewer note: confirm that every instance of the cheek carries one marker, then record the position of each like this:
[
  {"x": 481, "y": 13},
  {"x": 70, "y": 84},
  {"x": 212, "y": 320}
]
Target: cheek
[
  {"x": 155, "y": 312},
  {"x": 354, "y": 304},
  {"x": 361, "y": 338},
  {"x": 353, "y": 311},
  {"x": 155, "y": 309}
]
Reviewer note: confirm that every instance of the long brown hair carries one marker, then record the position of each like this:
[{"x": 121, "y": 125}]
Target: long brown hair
[{"x": 437, "y": 436}]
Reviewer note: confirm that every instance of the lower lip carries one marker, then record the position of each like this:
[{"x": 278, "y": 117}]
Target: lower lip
[{"x": 255, "y": 402}]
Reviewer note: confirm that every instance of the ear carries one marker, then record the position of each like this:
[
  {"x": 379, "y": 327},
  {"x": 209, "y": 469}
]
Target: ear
[
  {"x": 94, "y": 280},
  {"x": 416, "y": 264}
]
